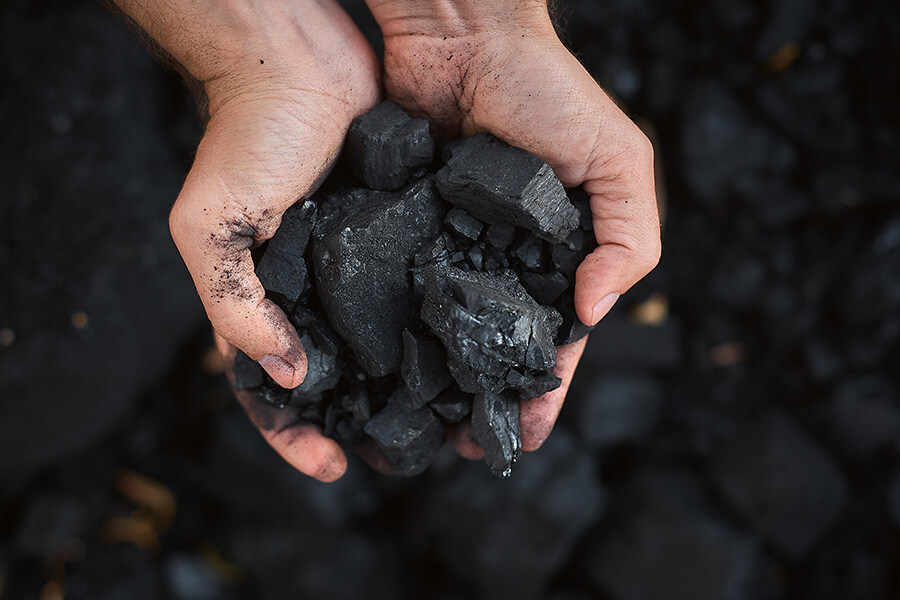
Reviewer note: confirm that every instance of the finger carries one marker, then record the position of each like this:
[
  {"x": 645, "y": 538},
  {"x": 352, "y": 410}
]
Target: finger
[
  {"x": 626, "y": 226},
  {"x": 301, "y": 444},
  {"x": 538, "y": 416},
  {"x": 460, "y": 435}
]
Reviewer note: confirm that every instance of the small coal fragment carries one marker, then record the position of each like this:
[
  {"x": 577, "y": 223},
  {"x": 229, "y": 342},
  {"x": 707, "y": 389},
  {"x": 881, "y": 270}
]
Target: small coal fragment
[
  {"x": 362, "y": 266},
  {"x": 424, "y": 368},
  {"x": 463, "y": 223},
  {"x": 409, "y": 437},
  {"x": 488, "y": 325},
  {"x": 272, "y": 393},
  {"x": 324, "y": 336},
  {"x": 572, "y": 329},
  {"x": 500, "y": 235},
  {"x": 452, "y": 406},
  {"x": 546, "y": 288},
  {"x": 475, "y": 254},
  {"x": 495, "y": 426},
  {"x": 247, "y": 372},
  {"x": 385, "y": 147},
  {"x": 582, "y": 202},
  {"x": 530, "y": 252},
  {"x": 498, "y": 183},
  {"x": 539, "y": 386},
  {"x": 282, "y": 269},
  {"x": 322, "y": 370},
  {"x": 782, "y": 483}
]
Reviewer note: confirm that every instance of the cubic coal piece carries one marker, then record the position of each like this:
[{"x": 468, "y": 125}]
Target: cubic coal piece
[
  {"x": 409, "y": 437},
  {"x": 544, "y": 287},
  {"x": 463, "y": 223},
  {"x": 363, "y": 248},
  {"x": 424, "y": 368},
  {"x": 498, "y": 183},
  {"x": 322, "y": 370},
  {"x": 386, "y": 146},
  {"x": 489, "y": 325},
  {"x": 282, "y": 269},
  {"x": 247, "y": 372},
  {"x": 495, "y": 426}
]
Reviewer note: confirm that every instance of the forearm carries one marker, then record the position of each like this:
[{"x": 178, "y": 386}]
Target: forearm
[{"x": 458, "y": 18}]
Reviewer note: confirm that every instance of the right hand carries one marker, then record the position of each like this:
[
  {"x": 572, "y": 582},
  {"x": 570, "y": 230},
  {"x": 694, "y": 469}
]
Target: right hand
[{"x": 284, "y": 80}]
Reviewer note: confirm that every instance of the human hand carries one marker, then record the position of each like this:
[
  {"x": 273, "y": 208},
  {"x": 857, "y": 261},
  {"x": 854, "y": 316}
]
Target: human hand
[
  {"x": 499, "y": 67},
  {"x": 283, "y": 80}
]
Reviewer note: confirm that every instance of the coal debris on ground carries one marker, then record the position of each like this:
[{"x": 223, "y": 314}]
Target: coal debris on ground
[{"x": 434, "y": 296}]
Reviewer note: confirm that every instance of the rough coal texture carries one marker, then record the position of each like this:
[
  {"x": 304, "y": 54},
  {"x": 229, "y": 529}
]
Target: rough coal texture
[
  {"x": 87, "y": 115},
  {"x": 386, "y": 146},
  {"x": 497, "y": 183},
  {"x": 407, "y": 435},
  {"x": 495, "y": 426}
]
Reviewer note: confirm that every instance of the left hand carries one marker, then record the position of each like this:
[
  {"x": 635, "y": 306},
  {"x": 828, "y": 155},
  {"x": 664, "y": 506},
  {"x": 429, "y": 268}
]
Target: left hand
[{"x": 500, "y": 67}]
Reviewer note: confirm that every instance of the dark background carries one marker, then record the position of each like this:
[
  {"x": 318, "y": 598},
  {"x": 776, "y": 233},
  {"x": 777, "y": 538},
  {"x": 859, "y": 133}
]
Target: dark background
[{"x": 733, "y": 432}]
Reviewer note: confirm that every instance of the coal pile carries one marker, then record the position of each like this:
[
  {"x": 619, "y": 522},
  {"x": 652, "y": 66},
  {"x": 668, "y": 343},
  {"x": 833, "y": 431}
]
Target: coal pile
[{"x": 423, "y": 297}]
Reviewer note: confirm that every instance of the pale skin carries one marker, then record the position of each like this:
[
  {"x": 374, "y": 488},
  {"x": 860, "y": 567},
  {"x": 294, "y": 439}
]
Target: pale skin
[{"x": 284, "y": 80}]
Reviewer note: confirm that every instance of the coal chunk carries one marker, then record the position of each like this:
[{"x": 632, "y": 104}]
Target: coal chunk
[
  {"x": 571, "y": 329},
  {"x": 452, "y": 406},
  {"x": 498, "y": 183},
  {"x": 782, "y": 483},
  {"x": 488, "y": 325},
  {"x": 424, "y": 368},
  {"x": 282, "y": 269},
  {"x": 409, "y": 437},
  {"x": 463, "y": 223},
  {"x": 385, "y": 147},
  {"x": 495, "y": 426},
  {"x": 546, "y": 288},
  {"x": 362, "y": 266},
  {"x": 322, "y": 370},
  {"x": 530, "y": 252},
  {"x": 538, "y": 386},
  {"x": 247, "y": 372}
]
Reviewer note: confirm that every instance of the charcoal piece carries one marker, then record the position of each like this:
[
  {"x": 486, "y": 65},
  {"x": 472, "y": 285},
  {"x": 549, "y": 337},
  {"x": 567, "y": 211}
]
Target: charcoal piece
[
  {"x": 282, "y": 269},
  {"x": 313, "y": 412},
  {"x": 782, "y": 483},
  {"x": 530, "y": 252},
  {"x": 475, "y": 255},
  {"x": 565, "y": 260},
  {"x": 539, "y": 386},
  {"x": 332, "y": 413},
  {"x": 497, "y": 183},
  {"x": 424, "y": 368},
  {"x": 500, "y": 235},
  {"x": 299, "y": 399},
  {"x": 284, "y": 278},
  {"x": 488, "y": 325},
  {"x": 409, "y": 437},
  {"x": 457, "y": 257},
  {"x": 436, "y": 251},
  {"x": 322, "y": 370},
  {"x": 247, "y": 372},
  {"x": 494, "y": 260},
  {"x": 272, "y": 393},
  {"x": 545, "y": 288},
  {"x": 582, "y": 202},
  {"x": 357, "y": 405},
  {"x": 385, "y": 147},
  {"x": 452, "y": 406},
  {"x": 495, "y": 426},
  {"x": 572, "y": 329},
  {"x": 362, "y": 267},
  {"x": 322, "y": 334},
  {"x": 618, "y": 409},
  {"x": 463, "y": 223}
]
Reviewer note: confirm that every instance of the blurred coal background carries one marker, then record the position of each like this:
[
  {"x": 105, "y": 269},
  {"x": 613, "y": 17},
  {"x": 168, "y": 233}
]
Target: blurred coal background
[{"x": 733, "y": 432}]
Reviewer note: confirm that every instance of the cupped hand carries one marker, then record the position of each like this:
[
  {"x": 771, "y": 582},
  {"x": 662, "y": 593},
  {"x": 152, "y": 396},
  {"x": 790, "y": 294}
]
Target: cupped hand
[
  {"x": 473, "y": 69},
  {"x": 284, "y": 80}
]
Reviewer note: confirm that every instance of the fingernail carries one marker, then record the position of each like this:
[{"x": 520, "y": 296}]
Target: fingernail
[
  {"x": 602, "y": 307},
  {"x": 280, "y": 370}
]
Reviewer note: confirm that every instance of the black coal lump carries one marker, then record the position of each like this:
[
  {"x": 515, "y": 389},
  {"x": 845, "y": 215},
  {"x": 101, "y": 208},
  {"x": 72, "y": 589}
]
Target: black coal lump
[
  {"x": 463, "y": 223},
  {"x": 363, "y": 248},
  {"x": 539, "y": 386},
  {"x": 272, "y": 393},
  {"x": 495, "y": 426},
  {"x": 409, "y": 437},
  {"x": 544, "y": 287},
  {"x": 424, "y": 368},
  {"x": 582, "y": 202},
  {"x": 488, "y": 325},
  {"x": 498, "y": 183},
  {"x": 530, "y": 252},
  {"x": 385, "y": 147},
  {"x": 452, "y": 405},
  {"x": 322, "y": 369},
  {"x": 247, "y": 372},
  {"x": 500, "y": 235},
  {"x": 282, "y": 269},
  {"x": 572, "y": 329}
]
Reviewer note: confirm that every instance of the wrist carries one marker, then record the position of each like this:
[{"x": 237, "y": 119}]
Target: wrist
[{"x": 461, "y": 18}]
